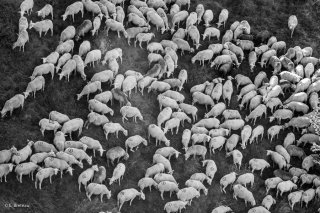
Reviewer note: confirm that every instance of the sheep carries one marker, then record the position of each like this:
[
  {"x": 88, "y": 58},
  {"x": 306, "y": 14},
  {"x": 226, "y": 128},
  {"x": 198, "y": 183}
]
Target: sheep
[
  {"x": 155, "y": 169},
  {"x": 100, "y": 176},
  {"x": 221, "y": 59},
  {"x": 200, "y": 138},
  {"x": 70, "y": 159},
  {"x": 26, "y": 6},
  {"x": 231, "y": 114},
  {"x": 25, "y": 169},
  {"x": 174, "y": 95},
  {"x": 167, "y": 102},
  {"x": 211, "y": 168},
  {"x": 129, "y": 111},
  {"x": 120, "y": 96},
  {"x": 314, "y": 100},
  {"x": 297, "y": 106},
  {"x": 294, "y": 197},
  {"x": 13, "y": 103},
  {"x": 308, "y": 138},
  {"x": 155, "y": 18},
  {"x": 278, "y": 159},
  {"x": 242, "y": 80},
  {"x": 256, "y": 132},
  {"x": 62, "y": 60},
  {"x": 308, "y": 196},
  {"x": 45, "y": 11},
  {"x": 79, "y": 154},
  {"x": 86, "y": 176},
  {"x": 180, "y": 33},
  {"x": 95, "y": 188},
  {"x": 59, "y": 117},
  {"x": 237, "y": 50},
  {"x": 79, "y": 66},
  {"x": 167, "y": 186},
  {"x": 245, "y": 44},
  {"x": 113, "y": 128},
  {"x": 257, "y": 113},
  {"x": 189, "y": 109},
  {"x": 67, "y": 69},
  {"x": 92, "y": 144},
  {"x": 23, "y": 24},
  {"x": 177, "y": 18},
  {"x": 237, "y": 157},
  {"x": 196, "y": 150},
  {"x": 198, "y": 97},
  {"x": 103, "y": 76},
  {"x": 129, "y": 83},
  {"x": 226, "y": 180},
  {"x": 73, "y": 125},
  {"x": 294, "y": 171},
  {"x": 268, "y": 201},
  {"x": 45, "y": 173},
  {"x": 273, "y": 102},
  {"x": 221, "y": 209},
  {"x": 42, "y": 26},
  {"x": 118, "y": 173},
  {"x": 197, "y": 185},
  {"x": 285, "y": 186},
  {"x": 278, "y": 46},
  {"x": 5, "y": 169},
  {"x": 307, "y": 178},
  {"x": 128, "y": 195},
  {"x": 246, "y": 178},
  {"x": 147, "y": 182},
  {"x": 245, "y": 90},
  {"x": 41, "y": 146},
  {"x": 175, "y": 206},
  {"x": 204, "y": 55},
  {"x": 36, "y": 84},
  {"x": 258, "y": 164},
  {"x": 59, "y": 140},
  {"x": 115, "y": 26},
  {"x": 207, "y": 17},
  {"x": 183, "y": 45},
  {"x": 232, "y": 124},
  {"x": 23, "y": 38},
  {"x": 242, "y": 192},
  {"x": 292, "y": 23},
  {"x": 143, "y": 37},
  {"x": 65, "y": 47},
  {"x": 73, "y": 9},
  {"x": 97, "y": 106},
  {"x": 295, "y": 151},
  {"x": 271, "y": 183},
  {"x": 158, "y": 158},
  {"x": 51, "y": 58},
  {"x": 232, "y": 142},
  {"x": 208, "y": 123},
  {"x": 22, "y": 154},
  {"x": 216, "y": 143},
  {"x": 116, "y": 153},
  {"x": 186, "y": 136},
  {"x": 59, "y": 164},
  {"x": 187, "y": 194},
  {"x": 134, "y": 141},
  {"x": 281, "y": 114},
  {"x": 68, "y": 33},
  {"x": 5, "y": 155},
  {"x": 84, "y": 48}
]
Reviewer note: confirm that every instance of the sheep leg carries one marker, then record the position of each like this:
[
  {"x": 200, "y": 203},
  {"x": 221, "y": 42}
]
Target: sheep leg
[{"x": 131, "y": 201}]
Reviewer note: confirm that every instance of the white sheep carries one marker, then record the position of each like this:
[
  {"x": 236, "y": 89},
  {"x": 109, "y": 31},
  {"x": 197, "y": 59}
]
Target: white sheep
[
  {"x": 68, "y": 33},
  {"x": 285, "y": 186},
  {"x": 129, "y": 83},
  {"x": 97, "y": 106},
  {"x": 70, "y": 159},
  {"x": 92, "y": 144},
  {"x": 175, "y": 206},
  {"x": 171, "y": 124},
  {"x": 13, "y": 103},
  {"x": 79, "y": 154},
  {"x": 221, "y": 209},
  {"x": 73, "y": 9},
  {"x": 211, "y": 32},
  {"x": 59, "y": 164},
  {"x": 116, "y": 152},
  {"x": 44, "y": 173},
  {"x": 237, "y": 157},
  {"x": 22, "y": 154},
  {"x": 187, "y": 194},
  {"x": 42, "y": 26},
  {"x": 26, "y": 6},
  {"x": 167, "y": 102},
  {"x": 246, "y": 178},
  {"x": 118, "y": 173},
  {"x": 129, "y": 111},
  {"x": 86, "y": 176},
  {"x": 197, "y": 185},
  {"x": 242, "y": 192},
  {"x": 268, "y": 201},
  {"x": 128, "y": 195},
  {"x": 295, "y": 197},
  {"x": 42, "y": 146},
  {"x": 201, "y": 177},
  {"x": 147, "y": 182},
  {"x": 164, "y": 186},
  {"x": 35, "y": 85},
  {"x": 155, "y": 169},
  {"x": 97, "y": 189},
  {"x": 223, "y": 17},
  {"x": 207, "y": 17},
  {"x": 114, "y": 128},
  {"x": 186, "y": 136},
  {"x": 256, "y": 132},
  {"x": 292, "y": 23},
  {"x": 168, "y": 152},
  {"x": 196, "y": 150},
  {"x": 73, "y": 125},
  {"x": 25, "y": 169},
  {"x": 232, "y": 142},
  {"x": 308, "y": 196},
  {"x": 271, "y": 183},
  {"x": 23, "y": 38},
  {"x": 258, "y": 164},
  {"x": 143, "y": 37},
  {"x": 5, "y": 169},
  {"x": 46, "y": 124},
  {"x": 67, "y": 69},
  {"x": 6, "y": 154},
  {"x": 92, "y": 56}
]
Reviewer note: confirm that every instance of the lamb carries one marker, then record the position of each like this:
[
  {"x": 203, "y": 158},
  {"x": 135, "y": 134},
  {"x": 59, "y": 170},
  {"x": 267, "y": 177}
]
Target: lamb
[
  {"x": 59, "y": 117},
  {"x": 70, "y": 159},
  {"x": 25, "y": 169},
  {"x": 116, "y": 153},
  {"x": 68, "y": 68},
  {"x": 285, "y": 186},
  {"x": 73, "y": 125},
  {"x": 5, "y": 169},
  {"x": 23, "y": 38},
  {"x": 22, "y": 154},
  {"x": 114, "y": 128},
  {"x": 100, "y": 176},
  {"x": 155, "y": 169},
  {"x": 258, "y": 164},
  {"x": 143, "y": 37},
  {"x": 42, "y": 26},
  {"x": 147, "y": 182},
  {"x": 118, "y": 173},
  {"x": 99, "y": 107},
  {"x": 128, "y": 194},
  {"x": 129, "y": 111},
  {"x": 73, "y": 9},
  {"x": 92, "y": 144},
  {"x": 59, "y": 164},
  {"x": 36, "y": 84},
  {"x": 86, "y": 176},
  {"x": 226, "y": 180},
  {"x": 187, "y": 194},
  {"x": 26, "y": 6},
  {"x": 242, "y": 192},
  {"x": 246, "y": 178},
  {"x": 13, "y": 103}
]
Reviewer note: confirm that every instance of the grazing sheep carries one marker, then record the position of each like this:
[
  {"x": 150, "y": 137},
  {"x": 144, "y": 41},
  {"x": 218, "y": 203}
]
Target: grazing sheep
[
  {"x": 23, "y": 38},
  {"x": 44, "y": 173},
  {"x": 128, "y": 195},
  {"x": 243, "y": 193},
  {"x": 73, "y": 125},
  {"x": 258, "y": 164},
  {"x": 114, "y": 128},
  {"x": 13, "y": 103},
  {"x": 60, "y": 164},
  {"x": 86, "y": 176},
  {"x": 73, "y": 9},
  {"x": 226, "y": 180},
  {"x": 42, "y": 26},
  {"x": 5, "y": 169},
  {"x": 292, "y": 23},
  {"x": 22, "y": 154},
  {"x": 25, "y": 169}
]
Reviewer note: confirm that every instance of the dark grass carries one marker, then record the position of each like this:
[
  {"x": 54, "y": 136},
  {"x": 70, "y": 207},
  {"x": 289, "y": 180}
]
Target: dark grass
[{"x": 63, "y": 195}]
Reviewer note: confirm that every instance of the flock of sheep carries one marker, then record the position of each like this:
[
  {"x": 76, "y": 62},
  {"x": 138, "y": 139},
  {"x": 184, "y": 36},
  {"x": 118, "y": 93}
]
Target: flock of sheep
[{"x": 297, "y": 77}]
